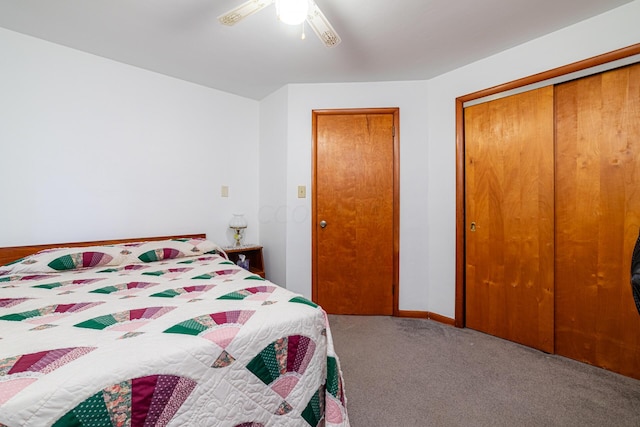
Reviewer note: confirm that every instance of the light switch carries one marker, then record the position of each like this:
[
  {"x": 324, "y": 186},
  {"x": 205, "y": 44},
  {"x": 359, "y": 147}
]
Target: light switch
[
  {"x": 224, "y": 191},
  {"x": 302, "y": 191}
]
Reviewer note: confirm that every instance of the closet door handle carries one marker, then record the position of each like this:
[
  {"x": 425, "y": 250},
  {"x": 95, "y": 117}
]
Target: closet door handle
[{"x": 323, "y": 224}]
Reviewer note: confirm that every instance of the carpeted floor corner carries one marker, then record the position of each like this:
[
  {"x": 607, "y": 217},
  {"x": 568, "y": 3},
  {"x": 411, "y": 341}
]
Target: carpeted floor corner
[{"x": 413, "y": 372}]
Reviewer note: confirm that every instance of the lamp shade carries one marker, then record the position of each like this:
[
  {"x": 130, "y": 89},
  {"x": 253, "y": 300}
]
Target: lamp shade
[
  {"x": 292, "y": 12},
  {"x": 238, "y": 221}
]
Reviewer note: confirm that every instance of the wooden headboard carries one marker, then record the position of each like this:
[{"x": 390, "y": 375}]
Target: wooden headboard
[{"x": 9, "y": 254}]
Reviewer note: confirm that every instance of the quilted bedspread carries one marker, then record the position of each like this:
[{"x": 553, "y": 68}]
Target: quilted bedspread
[{"x": 164, "y": 333}]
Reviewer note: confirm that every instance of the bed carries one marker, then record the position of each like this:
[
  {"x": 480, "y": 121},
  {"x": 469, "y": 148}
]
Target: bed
[{"x": 158, "y": 332}]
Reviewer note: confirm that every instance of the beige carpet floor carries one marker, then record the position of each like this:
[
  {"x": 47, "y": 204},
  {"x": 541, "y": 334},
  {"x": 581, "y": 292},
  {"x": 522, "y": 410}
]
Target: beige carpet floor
[{"x": 411, "y": 372}]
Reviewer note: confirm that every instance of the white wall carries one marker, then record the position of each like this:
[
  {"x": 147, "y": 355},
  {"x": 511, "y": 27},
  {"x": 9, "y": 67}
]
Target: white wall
[
  {"x": 427, "y": 146},
  {"x": 604, "y": 33},
  {"x": 273, "y": 182},
  {"x": 95, "y": 149}
]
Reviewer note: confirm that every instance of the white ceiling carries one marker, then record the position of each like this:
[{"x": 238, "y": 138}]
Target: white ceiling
[{"x": 382, "y": 40}]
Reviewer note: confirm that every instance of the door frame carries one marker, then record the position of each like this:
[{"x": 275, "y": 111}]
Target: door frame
[
  {"x": 396, "y": 194},
  {"x": 615, "y": 55}
]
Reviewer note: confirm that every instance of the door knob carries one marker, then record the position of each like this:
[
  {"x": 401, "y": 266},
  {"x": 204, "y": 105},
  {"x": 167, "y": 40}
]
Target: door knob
[{"x": 323, "y": 224}]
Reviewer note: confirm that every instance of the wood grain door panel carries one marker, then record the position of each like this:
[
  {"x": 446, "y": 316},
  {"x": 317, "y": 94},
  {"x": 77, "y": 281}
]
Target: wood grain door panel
[
  {"x": 597, "y": 219},
  {"x": 509, "y": 210},
  {"x": 354, "y": 194}
]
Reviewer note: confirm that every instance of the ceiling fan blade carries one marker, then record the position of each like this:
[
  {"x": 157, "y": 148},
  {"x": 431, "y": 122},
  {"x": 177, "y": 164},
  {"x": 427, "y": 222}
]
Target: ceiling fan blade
[
  {"x": 321, "y": 26},
  {"x": 242, "y": 11}
]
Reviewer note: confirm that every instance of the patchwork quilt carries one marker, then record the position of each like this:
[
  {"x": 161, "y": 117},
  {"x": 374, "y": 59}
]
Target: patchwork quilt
[{"x": 165, "y": 333}]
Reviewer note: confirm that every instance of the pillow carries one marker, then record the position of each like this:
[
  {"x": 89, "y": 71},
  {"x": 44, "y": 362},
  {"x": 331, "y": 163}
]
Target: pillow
[
  {"x": 61, "y": 259},
  {"x": 167, "y": 249}
]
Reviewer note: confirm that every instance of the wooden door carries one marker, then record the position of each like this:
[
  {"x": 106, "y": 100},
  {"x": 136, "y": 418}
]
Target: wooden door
[
  {"x": 509, "y": 210},
  {"x": 597, "y": 219},
  {"x": 355, "y": 255}
]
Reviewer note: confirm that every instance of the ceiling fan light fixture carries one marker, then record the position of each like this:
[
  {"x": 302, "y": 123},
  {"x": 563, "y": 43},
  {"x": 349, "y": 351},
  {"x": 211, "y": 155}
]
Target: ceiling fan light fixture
[
  {"x": 292, "y": 12},
  {"x": 304, "y": 9}
]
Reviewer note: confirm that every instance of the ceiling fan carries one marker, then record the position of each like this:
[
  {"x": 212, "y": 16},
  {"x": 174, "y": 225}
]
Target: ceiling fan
[{"x": 306, "y": 9}]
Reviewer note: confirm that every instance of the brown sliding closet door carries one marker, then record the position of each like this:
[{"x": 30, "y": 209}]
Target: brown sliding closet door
[
  {"x": 509, "y": 209},
  {"x": 597, "y": 218}
]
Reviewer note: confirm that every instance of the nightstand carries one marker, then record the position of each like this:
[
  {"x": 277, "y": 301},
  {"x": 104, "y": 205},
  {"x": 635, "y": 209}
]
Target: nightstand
[{"x": 252, "y": 252}]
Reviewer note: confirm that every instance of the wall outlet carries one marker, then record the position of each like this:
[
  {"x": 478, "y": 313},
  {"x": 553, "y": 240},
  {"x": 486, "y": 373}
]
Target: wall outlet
[
  {"x": 224, "y": 191},
  {"x": 302, "y": 191}
]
